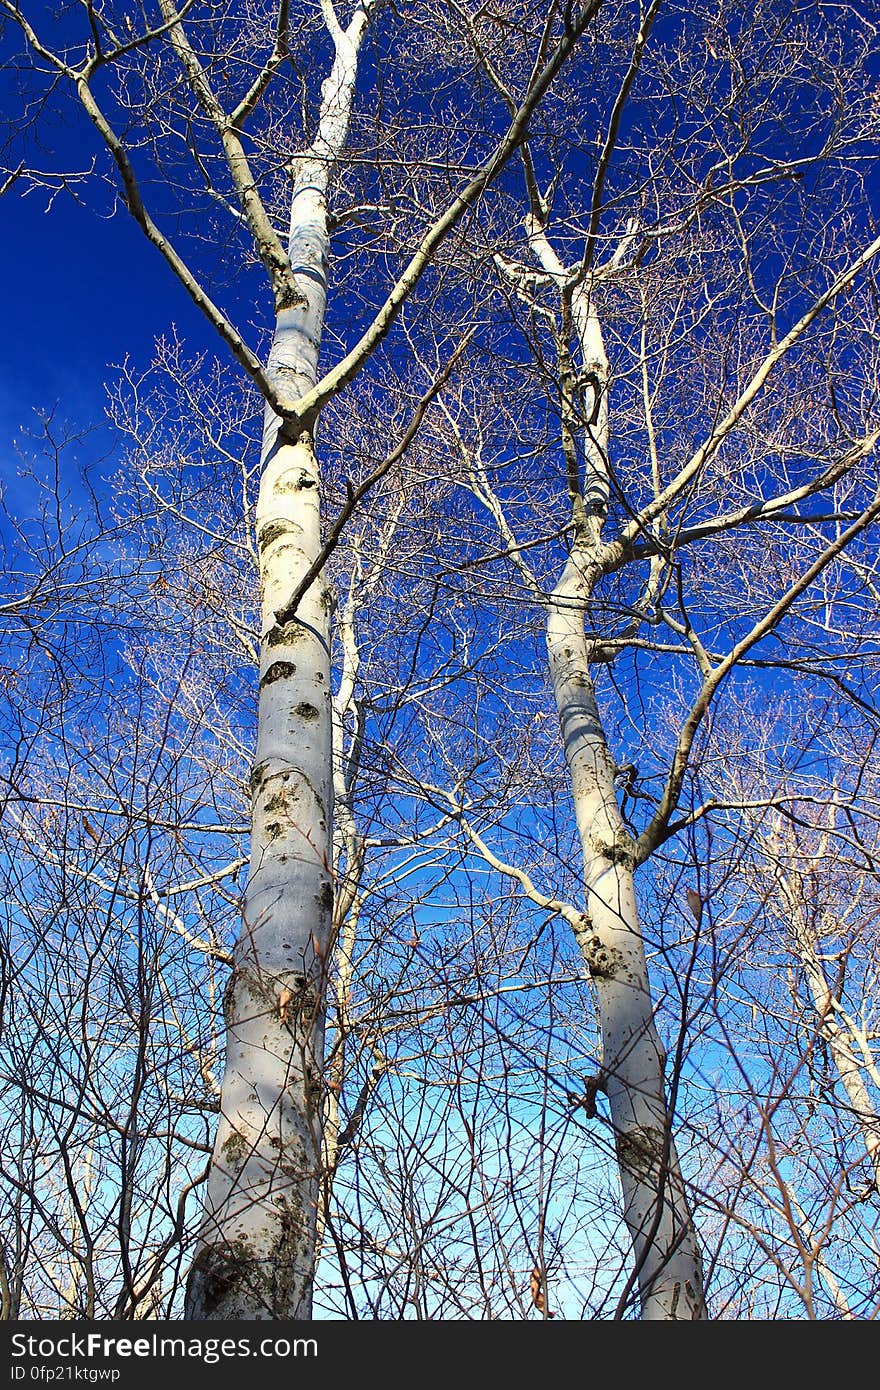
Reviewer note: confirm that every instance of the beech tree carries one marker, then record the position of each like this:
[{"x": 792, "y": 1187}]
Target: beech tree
[{"x": 568, "y": 371}]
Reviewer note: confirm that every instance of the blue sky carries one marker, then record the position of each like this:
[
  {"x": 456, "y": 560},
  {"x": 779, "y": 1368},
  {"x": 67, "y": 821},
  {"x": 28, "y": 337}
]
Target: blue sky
[{"x": 80, "y": 292}]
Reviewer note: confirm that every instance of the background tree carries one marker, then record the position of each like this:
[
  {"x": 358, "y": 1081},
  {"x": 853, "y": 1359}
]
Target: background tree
[{"x": 706, "y": 256}]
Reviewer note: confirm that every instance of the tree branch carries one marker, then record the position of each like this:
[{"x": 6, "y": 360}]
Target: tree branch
[
  {"x": 287, "y": 612},
  {"x": 339, "y": 376},
  {"x": 767, "y": 509},
  {"x": 658, "y": 830},
  {"x": 708, "y": 450}
]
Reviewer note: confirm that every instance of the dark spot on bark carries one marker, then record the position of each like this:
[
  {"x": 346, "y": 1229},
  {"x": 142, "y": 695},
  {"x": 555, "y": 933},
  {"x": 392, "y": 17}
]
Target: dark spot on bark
[
  {"x": 284, "y": 636},
  {"x": 307, "y": 712},
  {"x": 235, "y": 1148},
  {"x": 229, "y": 1000},
  {"x": 313, "y": 1089},
  {"x": 326, "y": 896},
  {"x": 287, "y": 296},
  {"x": 217, "y": 1274},
  {"x": 582, "y": 929},
  {"x": 621, "y": 850},
  {"x": 693, "y": 1300},
  {"x": 279, "y": 670},
  {"x": 272, "y": 531},
  {"x": 274, "y": 830},
  {"x": 245, "y": 989},
  {"x": 298, "y": 479},
  {"x": 306, "y": 999}
]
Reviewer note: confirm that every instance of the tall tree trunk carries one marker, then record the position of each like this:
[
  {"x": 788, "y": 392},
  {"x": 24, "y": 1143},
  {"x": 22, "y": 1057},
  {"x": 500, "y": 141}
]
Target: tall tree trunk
[
  {"x": 255, "y": 1257},
  {"x": 668, "y": 1265},
  {"x": 667, "y": 1256}
]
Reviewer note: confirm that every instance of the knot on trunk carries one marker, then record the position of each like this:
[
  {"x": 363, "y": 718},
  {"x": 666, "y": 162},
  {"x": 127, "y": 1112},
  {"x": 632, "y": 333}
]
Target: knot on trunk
[{"x": 601, "y": 958}]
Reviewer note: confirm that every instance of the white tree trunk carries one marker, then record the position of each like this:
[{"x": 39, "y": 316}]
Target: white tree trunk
[
  {"x": 255, "y": 1257},
  {"x": 656, "y": 1211},
  {"x": 841, "y": 1036},
  {"x": 667, "y": 1256}
]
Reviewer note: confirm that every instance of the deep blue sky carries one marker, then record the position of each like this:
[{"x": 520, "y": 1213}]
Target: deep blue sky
[{"x": 79, "y": 292}]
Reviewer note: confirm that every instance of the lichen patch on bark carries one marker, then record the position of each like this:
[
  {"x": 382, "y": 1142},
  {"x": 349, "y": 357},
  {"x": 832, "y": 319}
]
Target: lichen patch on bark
[
  {"x": 238, "y": 1279},
  {"x": 620, "y": 849},
  {"x": 640, "y": 1150},
  {"x": 273, "y": 530}
]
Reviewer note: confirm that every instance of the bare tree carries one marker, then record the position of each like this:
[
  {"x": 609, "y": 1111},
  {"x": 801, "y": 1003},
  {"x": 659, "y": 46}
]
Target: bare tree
[
  {"x": 256, "y": 1255},
  {"x": 604, "y": 437},
  {"x": 670, "y": 248},
  {"x": 793, "y": 1003}
]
